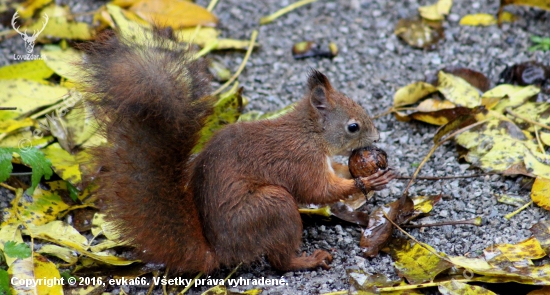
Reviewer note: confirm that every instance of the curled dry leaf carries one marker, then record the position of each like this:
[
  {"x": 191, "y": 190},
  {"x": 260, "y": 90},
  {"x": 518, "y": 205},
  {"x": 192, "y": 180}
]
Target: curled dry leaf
[
  {"x": 527, "y": 73},
  {"x": 307, "y": 49},
  {"x": 419, "y": 33},
  {"x": 379, "y": 229}
]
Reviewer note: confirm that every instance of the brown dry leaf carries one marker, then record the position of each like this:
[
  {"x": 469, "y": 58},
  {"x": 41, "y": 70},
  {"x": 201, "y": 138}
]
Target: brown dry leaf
[
  {"x": 379, "y": 229},
  {"x": 419, "y": 33},
  {"x": 174, "y": 13}
]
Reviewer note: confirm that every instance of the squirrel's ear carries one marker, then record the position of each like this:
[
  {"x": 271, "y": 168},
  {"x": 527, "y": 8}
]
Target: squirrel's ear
[{"x": 318, "y": 87}]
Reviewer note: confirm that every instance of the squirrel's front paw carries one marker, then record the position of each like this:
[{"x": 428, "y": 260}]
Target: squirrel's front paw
[{"x": 377, "y": 181}]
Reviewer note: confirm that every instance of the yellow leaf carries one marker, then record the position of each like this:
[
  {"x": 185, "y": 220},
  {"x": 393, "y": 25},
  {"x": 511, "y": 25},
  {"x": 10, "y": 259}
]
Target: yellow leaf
[
  {"x": 59, "y": 26},
  {"x": 537, "y": 163},
  {"x": 527, "y": 249},
  {"x": 45, "y": 269},
  {"x": 417, "y": 264},
  {"x": 430, "y": 119},
  {"x": 29, "y": 95},
  {"x": 542, "y": 4},
  {"x": 10, "y": 232},
  {"x": 507, "y": 17},
  {"x": 458, "y": 91},
  {"x": 45, "y": 205},
  {"x": 534, "y": 275},
  {"x": 541, "y": 231},
  {"x": 478, "y": 19},
  {"x": 101, "y": 226},
  {"x": 431, "y": 105},
  {"x": 412, "y": 93},
  {"x": 174, "y": 13},
  {"x": 35, "y": 70},
  {"x": 424, "y": 204},
  {"x": 62, "y": 62},
  {"x": 436, "y": 11},
  {"x": 62, "y": 253},
  {"x": 454, "y": 288},
  {"x": 63, "y": 163},
  {"x": 540, "y": 193},
  {"x": 29, "y": 7}
]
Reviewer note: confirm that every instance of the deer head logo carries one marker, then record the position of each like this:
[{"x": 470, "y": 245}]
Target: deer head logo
[{"x": 29, "y": 40}]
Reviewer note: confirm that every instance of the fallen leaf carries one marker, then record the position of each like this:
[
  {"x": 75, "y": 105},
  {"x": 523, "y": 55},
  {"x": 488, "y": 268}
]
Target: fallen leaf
[
  {"x": 62, "y": 253},
  {"x": 458, "y": 91},
  {"x": 59, "y": 26},
  {"x": 62, "y": 61},
  {"x": 419, "y": 33},
  {"x": 540, "y": 192},
  {"x": 37, "y": 267},
  {"x": 35, "y": 70},
  {"x": 379, "y": 229},
  {"x": 174, "y": 13},
  {"x": 541, "y": 231},
  {"x": 29, "y": 95},
  {"x": 436, "y": 11},
  {"x": 63, "y": 163},
  {"x": 478, "y": 19},
  {"x": 454, "y": 288},
  {"x": 412, "y": 93},
  {"x": 416, "y": 263},
  {"x": 44, "y": 206}
]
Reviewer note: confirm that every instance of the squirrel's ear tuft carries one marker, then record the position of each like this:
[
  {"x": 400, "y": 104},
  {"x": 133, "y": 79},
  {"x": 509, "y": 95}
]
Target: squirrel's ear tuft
[{"x": 317, "y": 78}]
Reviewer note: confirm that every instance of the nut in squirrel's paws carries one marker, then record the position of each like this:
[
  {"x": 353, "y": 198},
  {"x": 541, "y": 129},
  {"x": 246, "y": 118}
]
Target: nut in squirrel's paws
[{"x": 369, "y": 167}]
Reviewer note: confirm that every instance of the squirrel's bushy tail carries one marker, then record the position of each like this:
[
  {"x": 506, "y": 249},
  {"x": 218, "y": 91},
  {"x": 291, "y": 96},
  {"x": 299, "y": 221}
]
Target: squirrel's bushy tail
[{"x": 151, "y": 103}]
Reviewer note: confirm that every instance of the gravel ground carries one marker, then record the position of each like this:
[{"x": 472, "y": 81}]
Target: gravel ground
[{"x": 371, "y": 66}]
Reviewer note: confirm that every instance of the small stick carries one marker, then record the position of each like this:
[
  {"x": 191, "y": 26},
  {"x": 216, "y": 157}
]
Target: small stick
[
  {"x": 474, "y": 221},
  {"x": 508, "y": 216},
  {"x": 241, "y": 67},
  {"x": 278, "y": 13},
  {"x": 538, "y": 139},
  {"x": 509, "y": 111},
  {"x": 432, "y": 151},
  {"x": 8, "y": 108},
  {"x": 11, "y": 188},
  {"x": 444, "y": 177}
]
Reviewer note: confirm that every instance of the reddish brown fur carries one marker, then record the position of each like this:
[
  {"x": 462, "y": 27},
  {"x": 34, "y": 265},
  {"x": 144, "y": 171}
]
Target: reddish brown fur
[{"x": 237, "y": 200}]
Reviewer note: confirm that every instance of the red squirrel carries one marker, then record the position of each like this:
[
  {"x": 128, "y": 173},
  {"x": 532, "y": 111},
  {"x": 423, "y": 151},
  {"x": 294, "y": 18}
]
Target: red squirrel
[{"x": 238, "y": 198}]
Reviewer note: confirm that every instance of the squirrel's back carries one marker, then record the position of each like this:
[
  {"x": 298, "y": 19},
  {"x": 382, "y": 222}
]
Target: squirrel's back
[{"x": 151, "y": 103}]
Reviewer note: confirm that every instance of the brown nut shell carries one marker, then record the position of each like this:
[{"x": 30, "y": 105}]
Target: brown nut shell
[{"x": 366, "y": 161}]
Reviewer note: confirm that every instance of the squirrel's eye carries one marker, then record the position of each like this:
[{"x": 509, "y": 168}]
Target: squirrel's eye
[{"x": 353, "y": 127}]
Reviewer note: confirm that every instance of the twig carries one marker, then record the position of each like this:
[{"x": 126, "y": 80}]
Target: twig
[
  {"x": 509, "y": 111},
  {"x": 243, "y": 64},
  {"x": 413, "y": 238},
  {"x": 430, "y": 153},
  {"x": 387, "y": 112},
  {"x": 474, "y": 221},
  {"x": 538, "y": 139},
  {"x": 192, "y": 283},
  {"x": 508, "y": 216},
  {"x": 8, "y": 108},
  {"x": 267, "y": 19},
  {"x": 11, "y": 188},
  {"x": 445, "y": 177}
]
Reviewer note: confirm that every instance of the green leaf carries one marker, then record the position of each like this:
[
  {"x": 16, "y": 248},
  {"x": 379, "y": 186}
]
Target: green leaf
[
  {"x": 18, "y": 250},
  {"x": 31, "y": 157}
]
